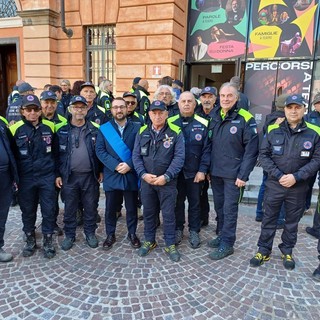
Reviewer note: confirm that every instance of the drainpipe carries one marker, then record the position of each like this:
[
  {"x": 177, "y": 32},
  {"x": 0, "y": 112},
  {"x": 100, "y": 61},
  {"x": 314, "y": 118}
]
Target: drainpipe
[{"x": 68, "y": 32}]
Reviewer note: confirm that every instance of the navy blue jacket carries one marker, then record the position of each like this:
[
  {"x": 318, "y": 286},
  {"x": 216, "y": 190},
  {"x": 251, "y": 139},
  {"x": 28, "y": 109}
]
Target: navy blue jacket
[
  {"x": 8, "y": 141},
  {"x": 35, "y": 148},
  {"x": 65, "y": 149},
  {"x": 159, "y": 154},
  {"x": 235, "y": 144},
  {"x": 313, "y": 117},
  {"x": 113, "y": 180},
  {"x": 287, "y": 151},
  {"x": 197, "y": 144},
  {"x": 142, "y": 99}
]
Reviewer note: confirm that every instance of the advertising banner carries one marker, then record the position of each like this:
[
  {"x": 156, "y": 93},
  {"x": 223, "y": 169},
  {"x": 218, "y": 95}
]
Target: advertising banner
[
  {"x": 217, "y": 29},
  {"x": 282, "y": 28},
  {"x": 265, "y": 80}
]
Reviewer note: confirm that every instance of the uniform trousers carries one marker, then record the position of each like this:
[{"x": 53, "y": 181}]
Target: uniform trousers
[
  {"x": 31, "y": 190},
  {"x": 154, "y": 199},
  {"x": 192, "y": 191},
  {"x": 226, "y": 198},
  {"x": 294, "y": 203},
  {"x": 84, "y": 187}
]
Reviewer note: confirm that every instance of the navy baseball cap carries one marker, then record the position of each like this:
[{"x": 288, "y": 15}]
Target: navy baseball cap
[
  {"x": 129, "y": 94},
  {"x": 158, "y": 105},
  {"x": 210, "y": 90},
  {"x": 296, "y": 99},
  {"x": 76, "y": 99},
  {"x": 136, "y": 80},
  {"x": 48, "y": 95},
  {"x": 178, "y": 82},
  {"x": 24, "y": 87},
  {"x": 30, "y": 100},
  {"x": 88, "y": 84}
]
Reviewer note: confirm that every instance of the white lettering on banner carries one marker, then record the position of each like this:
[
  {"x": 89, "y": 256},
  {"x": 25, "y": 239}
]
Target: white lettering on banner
[{"x": 287, "y": 65}]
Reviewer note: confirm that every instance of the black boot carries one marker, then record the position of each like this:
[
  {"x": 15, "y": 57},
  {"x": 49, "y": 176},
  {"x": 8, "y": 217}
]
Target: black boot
[
  {"x": 30, "y": 246},
  {"x": 48, "y": 248}
]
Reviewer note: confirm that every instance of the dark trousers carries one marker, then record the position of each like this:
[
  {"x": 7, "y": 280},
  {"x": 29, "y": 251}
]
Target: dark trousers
[
  {"x": 226, "y": 197},
  {"x": 294, "y": 202},
  {"x": 5, "y": 201},
  {"x": 311, "y": 182},
  {"x": 204, "y": 202},
  {"x": 153, "y": 199},
  {"x": 190, "y": 190},
  {"x": 82, "y": 187},
  {"x": 112, "y": 204},
  {"x": 31, "y": 190}
]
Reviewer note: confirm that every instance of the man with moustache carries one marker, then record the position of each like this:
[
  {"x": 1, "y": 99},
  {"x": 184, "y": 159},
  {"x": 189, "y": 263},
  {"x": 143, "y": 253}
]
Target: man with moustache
[
  {"x": 114, "y": 147},
  {"x": 158, "y": 157},
  {"x": 80, "y": 172},
  {"x": 195, "y": 168}
]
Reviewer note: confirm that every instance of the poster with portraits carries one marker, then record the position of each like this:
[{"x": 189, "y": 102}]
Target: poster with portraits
[
  {"x": 217, "y": 29},
  {"x": 266, "y": 79},
  {"x": 282, "y": 28}
]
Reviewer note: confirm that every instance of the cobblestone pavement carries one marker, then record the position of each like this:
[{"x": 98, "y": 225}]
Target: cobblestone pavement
[{"x": 87, "y": 283}]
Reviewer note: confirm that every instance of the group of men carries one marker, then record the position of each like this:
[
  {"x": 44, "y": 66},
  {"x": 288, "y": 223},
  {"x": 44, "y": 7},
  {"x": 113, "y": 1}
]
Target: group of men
[{"x": 168, "y": 159}]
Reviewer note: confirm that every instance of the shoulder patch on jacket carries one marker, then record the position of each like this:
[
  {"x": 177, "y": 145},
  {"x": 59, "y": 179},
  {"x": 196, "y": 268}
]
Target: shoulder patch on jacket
[
  {"x": 15, "y": 127},
  {"x": 204, "y": 121},
  {"x": 313, "y": 127},
  {"x": 245, "y": 114},
  {"x": 272, "y": 127}
]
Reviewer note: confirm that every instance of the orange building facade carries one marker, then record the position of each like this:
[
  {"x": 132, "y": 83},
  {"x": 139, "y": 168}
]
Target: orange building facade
[{"x": 150, "y": 40}]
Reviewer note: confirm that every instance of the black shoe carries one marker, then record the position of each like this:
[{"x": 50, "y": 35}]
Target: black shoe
[
  {"x": 288, "y": 261},
  {"x": 214, "y": 243},
  {"x": 48, "y": 247},
  {"x": 67, "y": 243},
  {"x": 134, "y": 241},
  {"x": 316, "y": 274},
  {"x": 258, "y": 260},
  {"x": 108, "y": 243},
  {"x": 221, "y": 252},
  {"x": 92, "y": 240},
  {"x": 313, "y": 232},
  {"x": 30, "y": 246},
  {"x": 194, "y": 240},
  {"x": 258, "y": 219}
]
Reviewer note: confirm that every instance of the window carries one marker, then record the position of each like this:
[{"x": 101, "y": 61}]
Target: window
[
  {"x": 8, "y": 8},
  {"x": 100, "y": 53}
]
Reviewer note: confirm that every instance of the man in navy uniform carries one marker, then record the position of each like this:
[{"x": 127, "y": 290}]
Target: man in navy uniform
[
  {"x": 158, "y": 157},
  {"x": 290, "y": 154},
  {"x": 233, "y": 157}
]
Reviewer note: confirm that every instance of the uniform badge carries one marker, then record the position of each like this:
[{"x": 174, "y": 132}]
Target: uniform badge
[
  {"x": 47, "y": 139},
  {"x": 198, "y": 137},
  {"x": 307, "y": 145},
  {"x": 167, "y": 141},
  {"x": 233, "y": 130}
]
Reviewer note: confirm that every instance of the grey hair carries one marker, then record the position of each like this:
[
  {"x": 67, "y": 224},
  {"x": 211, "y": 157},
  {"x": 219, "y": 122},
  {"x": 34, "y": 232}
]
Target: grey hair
[
  {"x": 103, "y": 85},
  {"x": 164, "y": 86},
  {"x": 229, "y": 84}
]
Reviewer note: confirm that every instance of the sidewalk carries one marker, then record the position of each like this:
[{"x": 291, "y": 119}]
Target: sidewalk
[{"x": 92, "y": 284}]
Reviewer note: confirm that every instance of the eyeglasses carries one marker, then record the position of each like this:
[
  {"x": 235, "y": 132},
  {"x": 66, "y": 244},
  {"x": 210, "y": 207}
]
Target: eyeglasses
[
  {"x": 118, "y": 107},
  {"x": 130, "y": 103},
  {"x": 164, "y": 94},
  {"x": 78, "y": 108},
  {"x": 29, "y": 109}
]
